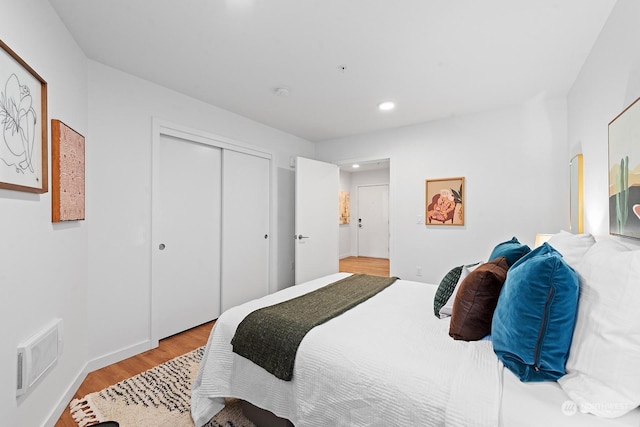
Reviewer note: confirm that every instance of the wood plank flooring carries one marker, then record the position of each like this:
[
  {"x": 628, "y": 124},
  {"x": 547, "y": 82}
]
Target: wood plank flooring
[
  {"x": 186, "y": 341},
  {"x": 169, "y": 348},
  {"x": 365, "y": 265}
]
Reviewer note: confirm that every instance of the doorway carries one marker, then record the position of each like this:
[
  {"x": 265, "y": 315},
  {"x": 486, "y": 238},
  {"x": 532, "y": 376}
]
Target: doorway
[
  {"x": 319, "y": 191},
  {"x": 368, "y": 181}
]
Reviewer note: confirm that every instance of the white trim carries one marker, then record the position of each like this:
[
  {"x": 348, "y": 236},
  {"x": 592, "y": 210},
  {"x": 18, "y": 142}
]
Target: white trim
[
  {"x": 93, "y": 365},
  {"x": 164, "y": 127},
  {"x": 120, "y": 355},
  {"x": 63, "y": 402}
]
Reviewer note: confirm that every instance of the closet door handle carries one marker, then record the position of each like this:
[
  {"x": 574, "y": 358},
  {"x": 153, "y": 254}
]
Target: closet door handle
[{"x": 300, "y": 237}]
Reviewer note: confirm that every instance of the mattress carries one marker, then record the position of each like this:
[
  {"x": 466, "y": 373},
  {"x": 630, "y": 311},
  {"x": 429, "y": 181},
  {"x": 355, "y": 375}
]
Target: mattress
[{"x": 388, "y": 361}]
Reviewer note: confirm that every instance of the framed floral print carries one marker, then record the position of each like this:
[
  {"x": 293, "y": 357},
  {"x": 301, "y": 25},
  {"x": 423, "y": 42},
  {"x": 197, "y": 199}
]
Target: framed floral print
[{"x": 444, "y": 201}]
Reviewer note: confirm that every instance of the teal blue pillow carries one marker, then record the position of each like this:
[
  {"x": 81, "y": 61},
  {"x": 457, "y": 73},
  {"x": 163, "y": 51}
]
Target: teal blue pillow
[
  {"x": 512, "y": 250},
  {"x": 533, "y": 322}
]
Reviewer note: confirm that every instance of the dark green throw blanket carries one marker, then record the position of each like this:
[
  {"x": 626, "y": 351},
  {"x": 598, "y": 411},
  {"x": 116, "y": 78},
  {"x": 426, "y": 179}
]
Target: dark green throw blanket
[{"x": 270, "y": 336}]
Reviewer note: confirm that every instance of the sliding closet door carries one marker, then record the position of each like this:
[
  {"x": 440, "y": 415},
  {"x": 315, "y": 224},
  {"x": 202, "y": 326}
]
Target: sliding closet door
[
  {"x": 245, "y": 227},
  {"x": 186, "y": 256}
]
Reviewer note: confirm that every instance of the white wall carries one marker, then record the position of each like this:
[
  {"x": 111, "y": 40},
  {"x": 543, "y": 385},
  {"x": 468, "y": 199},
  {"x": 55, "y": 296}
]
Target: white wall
[
  {"x": 119, "y": 184},
  {"x": 515, "y": 164},
  {"x": 608, "y": 82},
  {"x": 44, "y": 267}
]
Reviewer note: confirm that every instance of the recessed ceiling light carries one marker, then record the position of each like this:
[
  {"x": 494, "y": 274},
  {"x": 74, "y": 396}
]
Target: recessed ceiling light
[
  {"x": 386, "y": 106},
  {"x": 355, "y": 166}
]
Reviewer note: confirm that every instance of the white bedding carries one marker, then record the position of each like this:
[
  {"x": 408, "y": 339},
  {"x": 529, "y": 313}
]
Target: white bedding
[
  {"x": 546, "y": 404},
  {"x": 360, "y": 369}
]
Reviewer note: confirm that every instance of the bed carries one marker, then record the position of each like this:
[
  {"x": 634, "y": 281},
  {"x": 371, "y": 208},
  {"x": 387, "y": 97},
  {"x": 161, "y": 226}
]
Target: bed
[{"x": 387, "y": 361}]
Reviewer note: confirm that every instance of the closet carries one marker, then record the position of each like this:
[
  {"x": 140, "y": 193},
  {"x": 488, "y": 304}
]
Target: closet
[{"x": 210, "y": 227}]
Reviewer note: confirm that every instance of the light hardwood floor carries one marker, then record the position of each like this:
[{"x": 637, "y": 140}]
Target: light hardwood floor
[
  {"x": 186, "y": 341},
  {"x": 169, "y": 348},
  {"x": 365, "y": 265}
]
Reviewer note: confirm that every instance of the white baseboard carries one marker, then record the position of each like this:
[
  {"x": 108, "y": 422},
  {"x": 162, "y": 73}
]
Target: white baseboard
[
  {"x": 63, "y": 402},
  {"x": 91, "y": 366},
  {"x": 117, "y": 356}
]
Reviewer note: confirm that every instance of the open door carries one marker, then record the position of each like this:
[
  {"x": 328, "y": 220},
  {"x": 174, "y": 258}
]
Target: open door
[{"x": 316, "y": 218}]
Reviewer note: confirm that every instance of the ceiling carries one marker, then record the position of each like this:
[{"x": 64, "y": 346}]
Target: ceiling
[
  {"x": 339, "y": 58},
  {"x": 365, "y": 166}
]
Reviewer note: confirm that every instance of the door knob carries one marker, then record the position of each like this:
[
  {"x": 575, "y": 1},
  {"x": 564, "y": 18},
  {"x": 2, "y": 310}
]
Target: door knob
[{"x": 161, "y": 246}]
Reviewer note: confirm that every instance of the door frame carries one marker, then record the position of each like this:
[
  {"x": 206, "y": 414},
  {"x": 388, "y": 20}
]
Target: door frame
[
  {"x": 163, "y": 127},
  {"x": 364, "y": 160}
]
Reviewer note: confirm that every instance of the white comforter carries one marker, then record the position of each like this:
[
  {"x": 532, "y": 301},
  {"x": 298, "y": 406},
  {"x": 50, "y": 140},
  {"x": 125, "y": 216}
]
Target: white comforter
[{"x": 388, "y": 361}]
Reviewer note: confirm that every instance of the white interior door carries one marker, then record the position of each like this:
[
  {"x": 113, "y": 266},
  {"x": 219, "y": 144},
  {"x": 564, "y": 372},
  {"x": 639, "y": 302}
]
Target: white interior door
[
  {"x": 245, "y": 227},
  {"x": 316, "y": 218},
  {"x": 373, "y": 221},
  {"x": 186, "y": 253}
]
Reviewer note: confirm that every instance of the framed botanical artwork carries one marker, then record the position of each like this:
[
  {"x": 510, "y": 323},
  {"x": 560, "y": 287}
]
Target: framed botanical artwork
[
  {"x": 67, "y": 173},
  {"x": 23, "y": 120},
  {"x": 444, "y": 201},
  {"x": 624, "y": 172},
  {"x": 344, "y": 208}
]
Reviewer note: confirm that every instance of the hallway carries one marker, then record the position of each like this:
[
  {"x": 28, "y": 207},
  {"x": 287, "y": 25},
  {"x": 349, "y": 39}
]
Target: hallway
[{"x": 365, "y": 265}]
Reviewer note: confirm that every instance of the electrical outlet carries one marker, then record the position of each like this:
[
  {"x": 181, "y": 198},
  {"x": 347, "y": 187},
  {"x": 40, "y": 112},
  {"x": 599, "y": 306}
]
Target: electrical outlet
[
  {"x": 418, "y": 271},
  {"x": 419, "y": 221}
]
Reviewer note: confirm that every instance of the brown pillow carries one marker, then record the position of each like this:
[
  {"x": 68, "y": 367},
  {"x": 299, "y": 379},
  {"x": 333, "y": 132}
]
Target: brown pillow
[{"x": 476, "y": 301}]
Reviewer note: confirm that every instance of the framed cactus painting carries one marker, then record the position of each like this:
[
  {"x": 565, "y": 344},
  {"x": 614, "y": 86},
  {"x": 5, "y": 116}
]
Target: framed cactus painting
[
  {"x": 624, "y": 172},
  {"x": 23, "y": 134}
]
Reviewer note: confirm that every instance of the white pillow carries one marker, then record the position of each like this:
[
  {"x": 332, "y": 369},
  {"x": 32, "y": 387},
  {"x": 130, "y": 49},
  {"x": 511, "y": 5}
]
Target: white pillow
[
  {"x": 445, "y": 310},
  {"x": 603, "y": 369},
  {"x": 572, "y": 246}
]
